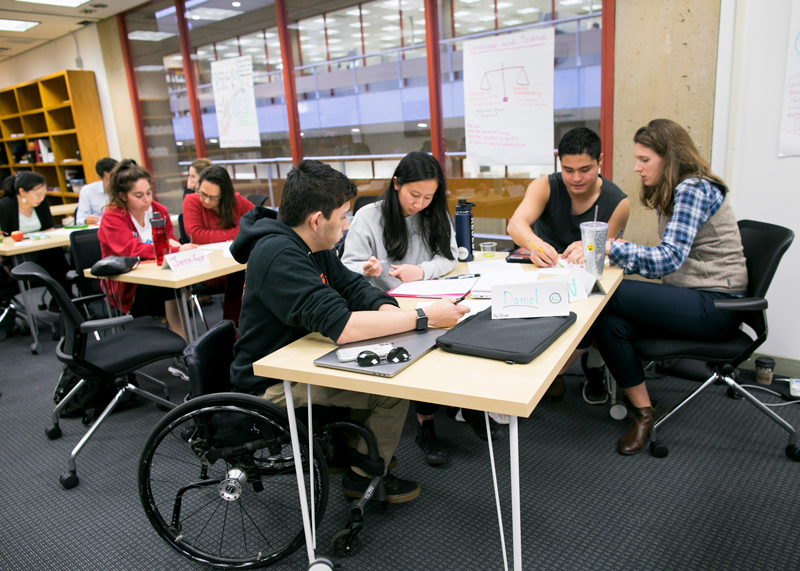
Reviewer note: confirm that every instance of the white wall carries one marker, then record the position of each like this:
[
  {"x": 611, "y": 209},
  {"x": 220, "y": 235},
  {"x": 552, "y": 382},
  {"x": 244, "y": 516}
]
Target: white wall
[
  {"x": 59, "y": 55},
  {"x": 765, "y": 187}
]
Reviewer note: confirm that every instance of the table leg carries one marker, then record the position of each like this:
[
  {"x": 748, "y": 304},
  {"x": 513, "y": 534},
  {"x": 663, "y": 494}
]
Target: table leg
[
  {"x": 516, "y": 520},
  {"x": 183, "y": 311},
  {"x": 30, "y": 318},
  {"x": 298, "y": 467}
]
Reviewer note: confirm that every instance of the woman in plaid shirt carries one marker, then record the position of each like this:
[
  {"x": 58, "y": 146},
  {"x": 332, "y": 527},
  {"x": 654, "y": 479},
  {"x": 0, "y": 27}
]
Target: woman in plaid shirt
[{"x": 698, "y": 260}]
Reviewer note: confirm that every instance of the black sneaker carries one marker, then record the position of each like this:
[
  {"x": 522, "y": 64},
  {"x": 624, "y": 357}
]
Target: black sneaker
[
  {"x": 177, "y": 368},
  {"x": 398, "y": 490},
  {"x": 475, "y": 419},
  {"x": 429, "y": 443},
  {"x": 594, "y": 386}
]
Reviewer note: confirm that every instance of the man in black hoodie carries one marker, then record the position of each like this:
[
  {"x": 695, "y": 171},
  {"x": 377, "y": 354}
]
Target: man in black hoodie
[{"x": 295, "y": 284}]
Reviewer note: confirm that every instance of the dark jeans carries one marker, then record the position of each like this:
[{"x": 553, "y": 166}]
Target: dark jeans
[{"x": 640, "y": 310}]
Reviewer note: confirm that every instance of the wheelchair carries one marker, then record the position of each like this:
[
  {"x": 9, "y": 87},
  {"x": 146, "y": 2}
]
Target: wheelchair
[{"x": 217, "y": 476}]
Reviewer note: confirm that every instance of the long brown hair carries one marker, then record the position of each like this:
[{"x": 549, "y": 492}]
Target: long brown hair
[
  {"x": 680, "y": 160},
  {"x": 227, "y": 197},
  {"x": 123, "y": 177}
]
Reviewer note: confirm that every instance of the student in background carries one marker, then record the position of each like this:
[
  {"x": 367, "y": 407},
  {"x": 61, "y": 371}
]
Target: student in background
[
  {"x": 125, "y": 230},
  {"x": 212, "y": 215},
  {"x": 197, "y": 166},
  {"x": 25, "y": 208},
  {"x": 296, "y": 284},
  {"x": 407, "y": 236},
  {"x": 550, "y": 216},
  {"x": 699, "y": 260},
  {"x": 93, "y": 197}
]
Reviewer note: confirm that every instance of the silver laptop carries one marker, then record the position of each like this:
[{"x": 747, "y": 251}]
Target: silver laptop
[{"x": 417, "y": 343}]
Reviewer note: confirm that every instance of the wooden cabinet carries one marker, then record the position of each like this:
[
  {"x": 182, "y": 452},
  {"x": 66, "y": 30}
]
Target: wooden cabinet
[{"x": 53, "y": 126}]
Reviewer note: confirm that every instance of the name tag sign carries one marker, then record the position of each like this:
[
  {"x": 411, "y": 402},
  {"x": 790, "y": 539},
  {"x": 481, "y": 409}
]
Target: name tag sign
[
  {"x": 539, "y": 299},
  {"x": 186, "y": 260}
]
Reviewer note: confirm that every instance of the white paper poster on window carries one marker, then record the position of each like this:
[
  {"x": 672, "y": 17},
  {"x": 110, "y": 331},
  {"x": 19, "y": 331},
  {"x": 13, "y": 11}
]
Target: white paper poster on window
[
  {"x": 508, "y": 98},
  {"x": 235, "y": 100},
  {"x": 789, "y": 144}
]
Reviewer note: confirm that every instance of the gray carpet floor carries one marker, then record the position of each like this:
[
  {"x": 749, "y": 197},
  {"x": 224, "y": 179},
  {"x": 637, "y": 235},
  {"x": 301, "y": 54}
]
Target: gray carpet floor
[{"x": 726, "y": 497}]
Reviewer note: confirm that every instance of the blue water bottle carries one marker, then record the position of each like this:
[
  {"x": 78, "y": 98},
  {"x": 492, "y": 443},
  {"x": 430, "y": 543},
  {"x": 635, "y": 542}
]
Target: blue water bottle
[{"x": 464, "y": 230}]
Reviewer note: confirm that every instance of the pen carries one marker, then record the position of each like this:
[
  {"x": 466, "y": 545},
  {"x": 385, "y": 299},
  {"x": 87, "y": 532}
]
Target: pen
[
  {"x": 542, "y": 251},
  {"x": 618, "y": 236},
  {"x": 461, "y": 277},
  {"x": 460, "y": 299}
]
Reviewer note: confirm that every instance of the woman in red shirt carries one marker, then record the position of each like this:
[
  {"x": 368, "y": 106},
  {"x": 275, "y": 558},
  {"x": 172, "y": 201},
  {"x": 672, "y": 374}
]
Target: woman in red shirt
[
  {"x": 212, "y": 215},
  {"x": 125, "y": 230}
]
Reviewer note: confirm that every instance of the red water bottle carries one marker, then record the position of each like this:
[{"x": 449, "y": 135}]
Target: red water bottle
[{"x": 160, "y": 239}]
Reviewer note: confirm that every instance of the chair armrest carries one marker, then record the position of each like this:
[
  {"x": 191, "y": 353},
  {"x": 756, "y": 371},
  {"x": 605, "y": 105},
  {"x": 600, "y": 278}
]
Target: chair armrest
[
  {"x": 107, "y": 323},
  {"x": 742, "y": 304},
  {"x": 88, "y": 298}
]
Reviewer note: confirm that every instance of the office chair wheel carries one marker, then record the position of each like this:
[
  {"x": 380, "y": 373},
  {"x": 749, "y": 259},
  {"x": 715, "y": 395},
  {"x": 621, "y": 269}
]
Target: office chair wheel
[
  {"x": 734, "y": 394},
  {"x": 344, "y": 545},
  {"x": 658, "y": 450},
  {"x": 69, "y": 480},
  {"x": 53, "y": 432},
  {"x": 793, "y": 452},
  {"x": 36, "y": 348},
  {"x": 217, "y": 481},
  {"x": 618, "y": 411}
]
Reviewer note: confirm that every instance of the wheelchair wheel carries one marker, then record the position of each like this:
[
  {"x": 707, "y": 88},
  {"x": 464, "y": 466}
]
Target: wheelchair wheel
[{"x": 227, "y": 495}]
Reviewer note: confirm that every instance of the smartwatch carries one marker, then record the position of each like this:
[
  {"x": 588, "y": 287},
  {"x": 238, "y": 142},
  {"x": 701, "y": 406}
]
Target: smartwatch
[{"x": 422, "y": 320}]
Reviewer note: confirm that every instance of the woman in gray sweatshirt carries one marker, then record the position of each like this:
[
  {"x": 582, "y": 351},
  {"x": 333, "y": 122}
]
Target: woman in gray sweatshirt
[{"x": 407, "y": 236}]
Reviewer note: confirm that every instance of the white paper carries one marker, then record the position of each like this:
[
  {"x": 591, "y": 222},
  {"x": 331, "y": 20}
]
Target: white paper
[
  {"x": 508, "y": 98},
  {"x": 475, "y": 306},
  {"x": 540, "y": 299},
  {"x": 486, "y": 268},
  {"x": 186, "y": 260},
  {"x": 789, "y": 142},
  {"x": 235, "y": 101},
  {"x": 484, "y": 286},
  {"x": 434, "y": 288}
]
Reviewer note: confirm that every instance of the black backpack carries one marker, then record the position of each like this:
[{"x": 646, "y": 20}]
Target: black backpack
[{"x": 89, "y": 401}]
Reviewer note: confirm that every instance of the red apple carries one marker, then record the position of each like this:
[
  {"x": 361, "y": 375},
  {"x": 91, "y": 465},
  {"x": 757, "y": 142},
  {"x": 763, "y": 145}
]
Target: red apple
[{"x": 16, "y": 236}]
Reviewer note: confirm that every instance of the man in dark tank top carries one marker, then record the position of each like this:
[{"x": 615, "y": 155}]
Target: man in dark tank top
[
  {"x": 554, "y": 206},
  {"x": 550, "y": 216}
]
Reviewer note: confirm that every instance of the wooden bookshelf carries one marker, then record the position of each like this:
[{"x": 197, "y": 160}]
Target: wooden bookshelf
[{"x": 61, "y": 111}]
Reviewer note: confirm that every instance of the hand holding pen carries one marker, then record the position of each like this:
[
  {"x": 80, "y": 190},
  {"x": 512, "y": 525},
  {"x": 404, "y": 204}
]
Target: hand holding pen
[
  {"x": 549, "y": 258},
  {"x": 373, "y": 267}
]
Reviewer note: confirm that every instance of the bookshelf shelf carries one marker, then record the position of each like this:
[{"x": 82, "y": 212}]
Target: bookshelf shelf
[{"x": 53, "y": 124}]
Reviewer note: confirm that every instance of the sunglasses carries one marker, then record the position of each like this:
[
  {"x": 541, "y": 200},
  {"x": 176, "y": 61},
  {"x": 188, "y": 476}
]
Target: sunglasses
[{"x": 372, "y": 359}]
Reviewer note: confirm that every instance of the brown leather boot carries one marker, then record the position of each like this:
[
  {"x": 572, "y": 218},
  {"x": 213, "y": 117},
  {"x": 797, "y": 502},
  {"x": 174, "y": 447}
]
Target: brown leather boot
[
  {"x": 556, "y": 390},
  {"x": 638, "y": 432}
]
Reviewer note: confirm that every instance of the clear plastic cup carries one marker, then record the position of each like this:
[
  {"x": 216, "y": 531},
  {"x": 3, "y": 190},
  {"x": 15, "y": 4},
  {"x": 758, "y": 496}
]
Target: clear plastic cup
[
  {"x": 488, "y": 249},
  {"x": 593, "y": 237}
]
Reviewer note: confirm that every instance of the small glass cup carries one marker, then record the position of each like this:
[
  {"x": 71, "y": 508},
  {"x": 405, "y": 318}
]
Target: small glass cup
[{"x": 488, "y": 249}]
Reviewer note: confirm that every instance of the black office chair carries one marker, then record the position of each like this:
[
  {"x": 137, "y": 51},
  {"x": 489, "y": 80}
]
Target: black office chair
[
  {"x": 183, "y": 237},
  {"x": 110, "y": 360},
  {"x": 257, "y": 199},
  {"x": 84, "y": 252},
  {"x": 764, "y": 246},
  {"x": 362, "y": 201},
  {"x": 225, "y": 456}
]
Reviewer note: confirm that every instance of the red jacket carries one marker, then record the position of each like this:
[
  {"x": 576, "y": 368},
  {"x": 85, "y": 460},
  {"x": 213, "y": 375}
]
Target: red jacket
[
  {"x": 118, "y": 237},
  {"x": 202, "y": 224}
]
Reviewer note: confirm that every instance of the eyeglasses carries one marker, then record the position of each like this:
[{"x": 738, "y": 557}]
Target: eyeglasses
[
  {"x": 41, "y": 192},
  {"x": 372, "y": 359},
  {"x": 204, "y": 196}
]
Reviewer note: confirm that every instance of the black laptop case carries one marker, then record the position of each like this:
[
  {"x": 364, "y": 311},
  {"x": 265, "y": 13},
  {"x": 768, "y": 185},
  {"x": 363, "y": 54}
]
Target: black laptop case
[{"x": 511, "y": 340}]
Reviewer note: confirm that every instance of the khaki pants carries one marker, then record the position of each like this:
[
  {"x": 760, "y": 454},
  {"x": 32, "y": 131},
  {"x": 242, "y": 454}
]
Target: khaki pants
[{"x": 383, "y": 416}]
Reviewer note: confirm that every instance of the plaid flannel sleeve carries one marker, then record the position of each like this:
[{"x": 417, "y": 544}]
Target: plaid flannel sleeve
[{"x": 695, "y": 202}]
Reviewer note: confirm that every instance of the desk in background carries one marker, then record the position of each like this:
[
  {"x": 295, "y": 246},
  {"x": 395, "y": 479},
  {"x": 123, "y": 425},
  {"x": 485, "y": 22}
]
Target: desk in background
[
  {"x": 148, "y": 273},
  {"x": 453, "y": 380}
]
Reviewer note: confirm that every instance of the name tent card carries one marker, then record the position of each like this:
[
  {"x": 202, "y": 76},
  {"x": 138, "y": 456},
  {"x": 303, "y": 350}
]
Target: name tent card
[
  {"x": 186, "y": 260},
  {"x": 539, "y": 299}
]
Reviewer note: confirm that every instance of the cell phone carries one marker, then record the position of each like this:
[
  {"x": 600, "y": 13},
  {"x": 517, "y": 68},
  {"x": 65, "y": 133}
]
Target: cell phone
[
  {"x": 794, "y": 387},
  {"x": 347, "y": 354}
]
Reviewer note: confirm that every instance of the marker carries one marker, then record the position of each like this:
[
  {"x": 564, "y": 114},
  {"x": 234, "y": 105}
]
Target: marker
[
  {"x": 461, "y": 277},
  {"x": 542, "y": 251}
]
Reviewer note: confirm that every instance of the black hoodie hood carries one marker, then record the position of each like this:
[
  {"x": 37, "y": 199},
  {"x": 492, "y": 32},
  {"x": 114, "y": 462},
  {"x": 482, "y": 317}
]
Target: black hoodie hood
[{"x": 257, "y": 224}]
